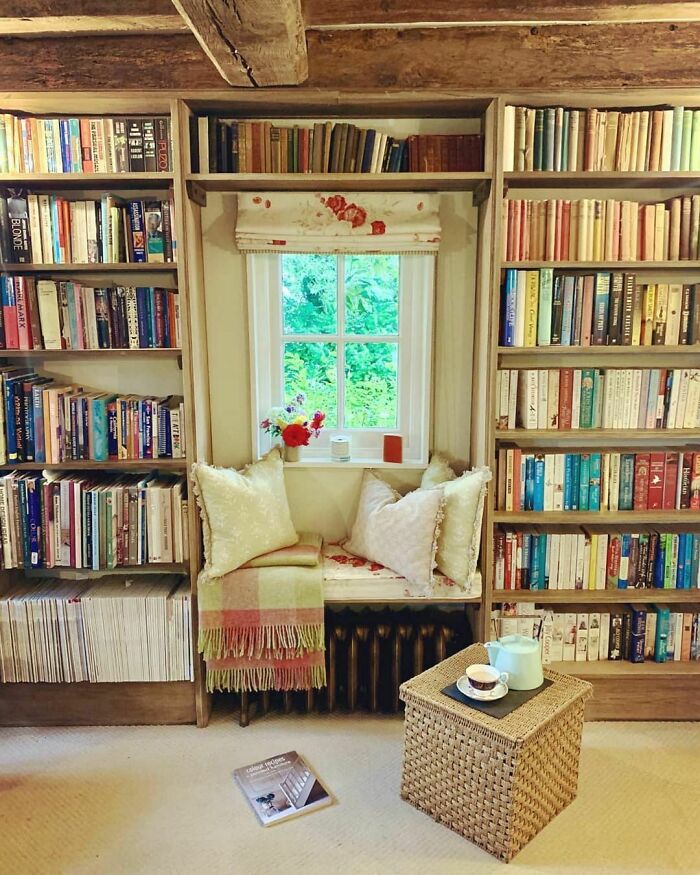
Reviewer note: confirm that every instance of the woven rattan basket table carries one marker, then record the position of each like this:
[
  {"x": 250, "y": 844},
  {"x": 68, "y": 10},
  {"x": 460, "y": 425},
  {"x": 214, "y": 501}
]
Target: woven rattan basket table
[{"x": 496, "y": 782}]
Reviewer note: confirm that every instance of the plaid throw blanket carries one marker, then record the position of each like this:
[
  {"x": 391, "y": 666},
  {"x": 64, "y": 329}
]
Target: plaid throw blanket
[{"x": 261, "y": 626}]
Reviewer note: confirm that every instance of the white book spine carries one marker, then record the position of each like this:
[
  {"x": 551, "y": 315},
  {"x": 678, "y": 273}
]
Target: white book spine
[
  {"x": 555, "y": 542},
  {"x": 593, "y": 637},
  {"x": 553, "y": 399},
  {"x": 515, "y": 377},
  {"x": 542, "y": 381},
  {"x": 569, "y": 637},
  {"x": 558, "y": 496},
  {"x": 604, "y": 640},
  {"x": 602, "y": 561},
  {"x": 508, "y": 138},
  {"x": 582, "y": 621},
  {"x": 576, "y": 400},
  {"x": 692, "y": 405}
]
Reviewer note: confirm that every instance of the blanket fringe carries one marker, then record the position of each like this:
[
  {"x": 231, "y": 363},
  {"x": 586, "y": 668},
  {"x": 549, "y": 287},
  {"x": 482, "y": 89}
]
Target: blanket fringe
[
  {"x": 252, "y": 642},
  {"x": 251, "y": 680}
]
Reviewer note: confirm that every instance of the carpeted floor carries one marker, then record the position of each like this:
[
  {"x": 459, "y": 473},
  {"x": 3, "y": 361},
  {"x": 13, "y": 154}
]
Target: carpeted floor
[{"x": 161, "y": 800}]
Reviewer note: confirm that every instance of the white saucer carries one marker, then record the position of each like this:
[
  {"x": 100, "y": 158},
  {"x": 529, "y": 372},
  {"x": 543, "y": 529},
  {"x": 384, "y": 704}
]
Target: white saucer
[{"x": 498, "y": 692}]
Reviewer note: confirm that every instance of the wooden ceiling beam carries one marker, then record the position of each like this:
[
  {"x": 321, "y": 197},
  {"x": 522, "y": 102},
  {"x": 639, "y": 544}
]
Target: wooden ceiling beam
[
  {"x": 92, "y": 25},
  {"x": 354, "y": 14},
  {"x": 250, "y": 42}
]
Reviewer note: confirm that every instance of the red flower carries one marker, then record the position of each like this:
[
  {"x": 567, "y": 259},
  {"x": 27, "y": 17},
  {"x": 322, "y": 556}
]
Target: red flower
[
  {"x": 317, "y": 421},
  {"x": 296, "y": 435},
  {"x": 336, "y": 203},
  {"x": 353, "y": 214},
  {"x": 378, "y": 227}
]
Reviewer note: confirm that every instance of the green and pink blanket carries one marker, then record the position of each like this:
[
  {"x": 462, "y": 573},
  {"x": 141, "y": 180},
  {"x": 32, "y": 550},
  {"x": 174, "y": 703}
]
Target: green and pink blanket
[{"x": 261, "y": 626}]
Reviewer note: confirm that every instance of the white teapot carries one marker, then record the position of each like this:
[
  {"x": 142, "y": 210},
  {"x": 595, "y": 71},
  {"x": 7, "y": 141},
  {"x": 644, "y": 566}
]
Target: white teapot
[{"x": 520, "y": 657}]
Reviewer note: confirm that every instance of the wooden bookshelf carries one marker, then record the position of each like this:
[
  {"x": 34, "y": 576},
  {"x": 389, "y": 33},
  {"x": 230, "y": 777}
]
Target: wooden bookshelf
[
  {"x": 622, "y": 690},
  {"x": 340, "y": 181},
  {"x": 86, "y": 181},
  {"x": 109, "y": 465},
  {"x": 99, "y": 267},
  {"x": 76, "y": 354}
]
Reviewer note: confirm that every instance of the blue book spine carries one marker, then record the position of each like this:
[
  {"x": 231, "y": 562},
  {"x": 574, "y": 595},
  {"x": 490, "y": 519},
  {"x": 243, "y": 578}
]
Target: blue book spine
[
  {"x": 538, "y": 497},
  {"x": 567, "y": 311},
  {"x": 34, "y": 513},
  {"x": 369, "y": 149},
  {"x": 112, "y": 432},
  {"x": 54, "y": 231},
  {"x": 601, "y": 304},
  {"x": 663, "y": 621},
  {"x": 688, "y": 564},
  {"x": 48, "y": 139},
  {"x": 141, "y": 312},
  {"x": 38, "y": 416},
  {"x": 594, "y": 482},
  {"x": 508, "y": 308},
  {"x": 75, "y": 153},
  {"x": 624, "y": 561},
  {"x": 626, "y": 499},
  {"x": 64, "y": 126},
  {"x": 660, "y": 562},
  {"x": 535, "y": 570},
  {"x": 137, "y": 230},
  {"x": 575, "y": 480},
  {"x": 584, "y": 482},
  {"x": 72, "y": 314},
  {"x": 680, "y": 566},
  {"x": 568, "y": 480},
  {"x": 525, "y": 573},
  {"x": 530, "y": 483},
  {"x": 100, "y": 431},
  {"x": 152, "y": 333},
  {"x": 695, "y": 574},
  {"x": 542, "y": 550}
]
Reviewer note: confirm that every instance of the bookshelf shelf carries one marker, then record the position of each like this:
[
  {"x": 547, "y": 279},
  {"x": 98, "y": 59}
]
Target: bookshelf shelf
[
  {"x": 597, "y": 596},
  {"x": 600, "y": 437},
  {"x": 68, "y": 354},
  {"x": 86, "y": 181},
  {"x": 632, "y": 266},
  {"x": 168, "y": 267},
  {"x": 340, "y": 181},
  {"x": 623, "y": 668},
  {"x": 559, "y": 353},
  {"x": 65, "y": 572},
  {"x": 601, "y": 179},
  {"x": 599, "y": 518},
  {"x": 111, "y": 465}
]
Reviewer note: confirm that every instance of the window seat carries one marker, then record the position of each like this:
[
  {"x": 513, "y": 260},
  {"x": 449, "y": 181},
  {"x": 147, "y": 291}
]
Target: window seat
[{"x": 347, "y": 579}]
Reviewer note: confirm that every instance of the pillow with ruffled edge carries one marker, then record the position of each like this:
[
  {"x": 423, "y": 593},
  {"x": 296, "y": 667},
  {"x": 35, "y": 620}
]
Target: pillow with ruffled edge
[
  {"x": 398, "y": 532},
  {"x": 460, "y": 533},
  {"x": 244, "y": 513},
  {"x": 438, "y": 472}
]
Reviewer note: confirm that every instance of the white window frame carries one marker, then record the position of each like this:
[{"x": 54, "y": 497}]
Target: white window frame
[{"x": 416, "y": 298}]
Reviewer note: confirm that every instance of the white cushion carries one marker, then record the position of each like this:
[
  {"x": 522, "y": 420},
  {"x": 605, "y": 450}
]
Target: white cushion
[
  {"x": 397, "y": 532},
  {"x": 244, "y": 513},
  {"x": 437, "y": 472},
  {"x": 460, "y": 533}
]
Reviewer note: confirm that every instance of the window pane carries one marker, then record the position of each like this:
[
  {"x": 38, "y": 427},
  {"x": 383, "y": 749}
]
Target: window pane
[
  {"x": 371, "y": 385},
  {"x": 372, "y": 294},
  {"x": 311, "y": 368},
  {"x": 309, "y": 296}
]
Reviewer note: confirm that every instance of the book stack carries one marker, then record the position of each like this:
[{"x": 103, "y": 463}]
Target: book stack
[
  {"x": 42, "y": 420},
  {"x": 595, "y": 560},
  {"x": 591, "y": 398},
  {"x": 230, "y": 146},
  {"x": 597, "y": 481},
  {"x": 114, "y": 630},
  {"x": 96, "y": 522},
  {"x": 601, "y": 230},
  {"x": 47, "y": 229},
  {"x": 600, "y": 309},
  {"x": 631, "y": 632},
  {"x": 85, "y": 145},
  {"x": 557, "y": 138},
  {"x": 69, "y": 315}
]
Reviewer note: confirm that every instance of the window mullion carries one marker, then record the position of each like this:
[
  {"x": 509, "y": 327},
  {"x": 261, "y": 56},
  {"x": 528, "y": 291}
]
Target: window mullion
[{"x": 340, "y": 349}]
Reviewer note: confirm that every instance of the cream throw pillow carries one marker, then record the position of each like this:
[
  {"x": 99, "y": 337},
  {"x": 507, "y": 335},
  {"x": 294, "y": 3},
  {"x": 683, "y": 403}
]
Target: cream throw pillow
[
  {"x": 460, "y": 534},
  {"x": 244, "y": 513},
  {"x": 437, "y": 472},
  {"x": 397, "y": 532}
]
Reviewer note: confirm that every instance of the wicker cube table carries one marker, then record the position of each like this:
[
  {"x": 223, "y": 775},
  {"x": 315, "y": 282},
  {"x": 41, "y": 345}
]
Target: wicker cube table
[{"x": 496, "y": 782}]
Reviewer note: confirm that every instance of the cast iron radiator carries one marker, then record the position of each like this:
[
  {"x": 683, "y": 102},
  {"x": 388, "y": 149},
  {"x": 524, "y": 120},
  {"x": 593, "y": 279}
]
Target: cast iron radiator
[{"x": 368, "y": 656}]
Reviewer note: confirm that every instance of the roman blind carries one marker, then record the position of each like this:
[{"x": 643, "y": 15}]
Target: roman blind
[{"x": 386, "y": 222}]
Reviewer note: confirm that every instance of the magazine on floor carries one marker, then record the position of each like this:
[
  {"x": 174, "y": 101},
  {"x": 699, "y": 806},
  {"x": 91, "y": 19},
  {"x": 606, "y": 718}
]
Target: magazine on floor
[{"x": 281, "y": 787}]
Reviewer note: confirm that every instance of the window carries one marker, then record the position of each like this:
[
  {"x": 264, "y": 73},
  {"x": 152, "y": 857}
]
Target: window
[{"x": 352, "y": 332}]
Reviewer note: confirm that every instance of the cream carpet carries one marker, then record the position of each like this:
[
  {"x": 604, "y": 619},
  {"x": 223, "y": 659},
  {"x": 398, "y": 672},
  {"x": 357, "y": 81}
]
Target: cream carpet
[{"x": 161, "y": 800}]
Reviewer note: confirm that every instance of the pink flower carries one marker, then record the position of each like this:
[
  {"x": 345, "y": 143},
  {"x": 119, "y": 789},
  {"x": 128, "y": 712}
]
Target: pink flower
[
  {"x": 378, "y": 227},
  {"x": 353, "y": 214}
]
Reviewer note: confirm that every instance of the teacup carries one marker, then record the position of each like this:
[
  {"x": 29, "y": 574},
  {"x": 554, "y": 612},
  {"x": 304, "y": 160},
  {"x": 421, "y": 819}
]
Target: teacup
[{"x": 484, "y": 678}]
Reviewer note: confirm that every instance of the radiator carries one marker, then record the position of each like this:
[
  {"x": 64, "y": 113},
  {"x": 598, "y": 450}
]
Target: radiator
[{"x": 368, "y": 656}]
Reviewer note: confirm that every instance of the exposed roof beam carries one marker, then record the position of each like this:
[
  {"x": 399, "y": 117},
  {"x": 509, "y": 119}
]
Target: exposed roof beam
[
  {"x": 250, "y": 42},
  {"x": 92, "y": 25}
]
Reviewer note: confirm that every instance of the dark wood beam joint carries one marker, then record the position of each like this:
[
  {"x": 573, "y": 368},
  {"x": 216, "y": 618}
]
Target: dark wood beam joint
[{"x": 196, "y": 193}]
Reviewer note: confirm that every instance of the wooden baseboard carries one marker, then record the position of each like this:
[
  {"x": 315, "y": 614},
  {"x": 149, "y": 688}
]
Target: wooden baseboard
[{"x": 97, "y": 704}]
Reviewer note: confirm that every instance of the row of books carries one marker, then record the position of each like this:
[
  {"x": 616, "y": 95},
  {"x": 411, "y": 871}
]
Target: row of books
[
  {"x": 68, "y": 315},
  {"x": 47, "y": 229},
  {"x": 231, "y": 146},
  {"x": 113, "y": 630},
  {"x": 591, "y": 398},
  {"x": 601, "y": 230},
  {"x": 600, "y": 309},
  {"x": 44, "y": 420},
  {"x": 597, "y": 481},
  {"x": 596, "y": 560},
  {"x": 635, "y": 632},
  {"x": 85, "y": 145},
  {"x": 97, "y": 522},
  {"x": 557, "y": 138}
]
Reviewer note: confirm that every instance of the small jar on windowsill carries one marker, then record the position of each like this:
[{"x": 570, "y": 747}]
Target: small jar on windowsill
[{"x": 292, "y": 454}]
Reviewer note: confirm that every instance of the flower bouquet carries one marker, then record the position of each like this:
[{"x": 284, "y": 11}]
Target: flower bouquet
[{"x": 293, "y": 425}]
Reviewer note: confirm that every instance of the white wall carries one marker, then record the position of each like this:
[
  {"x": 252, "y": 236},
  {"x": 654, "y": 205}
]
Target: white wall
[{"x": 324, "y": 500}]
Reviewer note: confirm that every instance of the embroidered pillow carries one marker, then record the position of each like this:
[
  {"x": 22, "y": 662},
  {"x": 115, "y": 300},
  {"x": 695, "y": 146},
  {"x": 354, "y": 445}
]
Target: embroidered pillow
[
  {"x": 460, "y": 533},
  {"x": 244, "y": 513},
  {"x": 397, "y": 532},
  {"x": 437, "y": 472}
]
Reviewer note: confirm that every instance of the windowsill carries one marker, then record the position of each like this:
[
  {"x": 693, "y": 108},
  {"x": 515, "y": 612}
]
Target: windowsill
[{"x": 355, "y": 463}]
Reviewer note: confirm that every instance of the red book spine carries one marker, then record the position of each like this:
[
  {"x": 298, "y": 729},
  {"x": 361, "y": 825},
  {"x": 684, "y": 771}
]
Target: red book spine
[
  {"x": 656, "y": 481},
  {"x": 566, "y": 393},
  {"x": 686, "y": 473},
  {"x": 641, "y": 480},
  {"x": 510, "y": 247},
  {"x": 565, "y": 229},
  {"x": 71, "y": 517},
  {"x": 257, "y": 150},
  {"x": 558, "y": 230},
  {"x": 85, "y": 147},
  {"x": 508, "y": 558},
  {"x": 695, "y": 483},
  {"x": 499, "y": 552},
  {"x": 670, "y": 481},
  {"x": 613, "y": 570},
  {"x": 9, "y": 315},
  {"x": 160, "y": 319},
  {"x": 25, "y": 336}
]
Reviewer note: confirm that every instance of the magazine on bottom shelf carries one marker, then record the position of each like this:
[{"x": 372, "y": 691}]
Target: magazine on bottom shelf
[{"x": 281, "y": 787}]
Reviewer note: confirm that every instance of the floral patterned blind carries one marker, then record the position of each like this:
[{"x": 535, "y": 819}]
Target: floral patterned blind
[{"x": 338, "y": 222}]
